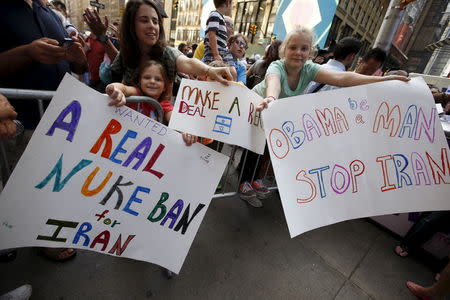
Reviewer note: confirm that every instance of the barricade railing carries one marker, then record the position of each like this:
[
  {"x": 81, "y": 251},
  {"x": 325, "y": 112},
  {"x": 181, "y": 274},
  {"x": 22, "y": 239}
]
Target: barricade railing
[
  {"x": 233, "y": 175},
  {"x": 40, "y": 96}
]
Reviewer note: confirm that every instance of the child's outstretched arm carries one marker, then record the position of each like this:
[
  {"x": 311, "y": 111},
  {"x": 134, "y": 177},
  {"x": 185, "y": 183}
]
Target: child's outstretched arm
[
  {"x": 273, "y": 89},
  {"x": 345, "y": 79},
  {"x": 118, "y": 91}
]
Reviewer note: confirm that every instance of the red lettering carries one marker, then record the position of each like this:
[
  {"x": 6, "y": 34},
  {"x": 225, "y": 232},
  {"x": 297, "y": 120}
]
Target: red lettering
[
  {"x": 214, "y": 101},
  {"x": 102, "y": 238},
  {"x": 118, "y": 248},
  {"x": 113, "y": 127},
  {"x": 151, "y": 162},
  {"x": 250, "y": 113},
  {"x": 183, "y": 107},
  {"x": 387, "y": 185}
]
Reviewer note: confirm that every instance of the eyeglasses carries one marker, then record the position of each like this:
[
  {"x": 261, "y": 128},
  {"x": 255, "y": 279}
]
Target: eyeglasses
[{"x": 241, "y": 44}]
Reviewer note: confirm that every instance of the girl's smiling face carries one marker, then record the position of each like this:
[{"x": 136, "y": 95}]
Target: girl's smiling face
[
  {"x": 298, "y": 50},
  {"x": 152, "y": 82},
  {"x": 146, "y": 26}
]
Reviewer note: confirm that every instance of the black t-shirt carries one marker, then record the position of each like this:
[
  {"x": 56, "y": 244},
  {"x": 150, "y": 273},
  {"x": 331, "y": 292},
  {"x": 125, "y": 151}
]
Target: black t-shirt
[{"x": 20, "y": 25}]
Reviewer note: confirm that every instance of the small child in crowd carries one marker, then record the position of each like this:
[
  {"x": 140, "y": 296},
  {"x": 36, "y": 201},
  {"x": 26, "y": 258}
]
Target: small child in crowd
[
  {"x": 153, "y": 82},
  {"x": 216, "y": 34},
  {"x": 237, "y": 43}
]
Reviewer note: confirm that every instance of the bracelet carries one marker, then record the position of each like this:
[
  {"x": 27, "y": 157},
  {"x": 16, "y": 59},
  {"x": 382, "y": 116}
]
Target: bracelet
[{"x": 273, "y": 98}]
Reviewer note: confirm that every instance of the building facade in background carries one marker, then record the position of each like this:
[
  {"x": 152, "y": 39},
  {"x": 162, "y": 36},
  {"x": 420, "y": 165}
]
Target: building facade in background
[
  {"x": 188, "y": 13},
  {"x": 428, "y": 29},
  {"x": 358, "y": 18},
  {"x": 439, "y": 63},
  {"x": 425, "y": 22},
  {"x": 255, "y": 19}
]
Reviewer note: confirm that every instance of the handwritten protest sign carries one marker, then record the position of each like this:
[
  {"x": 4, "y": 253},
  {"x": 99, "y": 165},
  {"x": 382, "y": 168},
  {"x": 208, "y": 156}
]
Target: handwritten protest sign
[
  {"x": 358, "y": 152},
  {"x": 223, "y": 113},
  {"x": 109, "y": 180}
]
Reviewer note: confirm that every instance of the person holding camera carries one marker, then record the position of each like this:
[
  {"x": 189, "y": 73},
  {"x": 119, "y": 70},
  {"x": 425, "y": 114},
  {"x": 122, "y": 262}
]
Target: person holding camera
[{"x": 36, "y": 54}]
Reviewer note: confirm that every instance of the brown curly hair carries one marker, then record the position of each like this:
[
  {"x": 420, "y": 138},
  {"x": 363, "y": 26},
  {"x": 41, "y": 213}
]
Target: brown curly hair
[{"x": 272, "y": 53}]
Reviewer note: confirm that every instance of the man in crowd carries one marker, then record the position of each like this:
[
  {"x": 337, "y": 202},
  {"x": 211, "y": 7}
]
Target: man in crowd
[
  {"x": 344, "y": 54},
  {"x": 183, "y": 48},
  {"x": 371, "y": 62},
  {"x": 34, "y": 55}
]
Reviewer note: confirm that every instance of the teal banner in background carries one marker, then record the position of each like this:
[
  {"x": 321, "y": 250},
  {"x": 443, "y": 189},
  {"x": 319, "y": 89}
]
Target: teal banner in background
[{"x": 314, "y": 14}]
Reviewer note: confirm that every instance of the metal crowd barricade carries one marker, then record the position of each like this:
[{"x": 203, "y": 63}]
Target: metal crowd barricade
[
  {"x": 40, "y": 96},
  {"x": 232, "y": 176}
]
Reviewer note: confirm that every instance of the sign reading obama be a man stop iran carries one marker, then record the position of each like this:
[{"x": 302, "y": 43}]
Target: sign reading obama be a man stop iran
[
  {"x": 224, "y": 113},
  {"x": 357, "y": 152},
  {"x": 110, "y": 180}
]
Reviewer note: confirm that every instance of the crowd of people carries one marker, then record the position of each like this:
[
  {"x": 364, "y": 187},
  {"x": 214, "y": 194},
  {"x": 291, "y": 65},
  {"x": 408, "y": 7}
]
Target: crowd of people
[{"x": 132, "y": 57}]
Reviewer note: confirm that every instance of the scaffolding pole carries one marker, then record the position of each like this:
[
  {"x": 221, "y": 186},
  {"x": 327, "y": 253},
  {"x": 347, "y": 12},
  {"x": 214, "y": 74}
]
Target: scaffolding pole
[{"x": 389, "y": 26}]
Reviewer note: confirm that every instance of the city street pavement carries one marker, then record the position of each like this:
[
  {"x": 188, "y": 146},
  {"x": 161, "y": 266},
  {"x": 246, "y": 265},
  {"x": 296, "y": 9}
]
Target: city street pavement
[{"x": 239, "y": 253}]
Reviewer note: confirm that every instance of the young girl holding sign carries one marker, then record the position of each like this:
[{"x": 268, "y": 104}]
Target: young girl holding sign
[
  {"x": 290, "y": 75},
  {"x": 153, "y": 82}
]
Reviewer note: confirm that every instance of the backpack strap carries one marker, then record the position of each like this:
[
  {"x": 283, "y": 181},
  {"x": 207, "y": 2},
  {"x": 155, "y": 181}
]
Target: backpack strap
[{"x": 318, "y": 88}]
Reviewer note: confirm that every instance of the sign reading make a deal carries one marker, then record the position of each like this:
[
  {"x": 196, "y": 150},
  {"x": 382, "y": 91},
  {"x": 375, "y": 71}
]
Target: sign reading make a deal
[
  {"x": 224, "y": 113},
  {"x": 110, "y": 180},
  {"x": 357, "y": 152}
]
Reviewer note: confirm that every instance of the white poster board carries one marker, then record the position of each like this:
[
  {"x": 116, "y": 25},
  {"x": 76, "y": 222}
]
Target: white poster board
[
  {"x": 109, "y": 180},
  {"x": 224, "y": 113},
  {"x": 356, "y": 152}
]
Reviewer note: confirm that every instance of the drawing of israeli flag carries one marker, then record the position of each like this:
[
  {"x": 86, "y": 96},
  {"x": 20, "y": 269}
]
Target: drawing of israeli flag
[{"x": 314, "y": 14}]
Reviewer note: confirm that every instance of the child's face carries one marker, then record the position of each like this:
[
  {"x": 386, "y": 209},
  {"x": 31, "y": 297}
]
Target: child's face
[
  {"x": 238, "y": 47},
  {"x": 146, "y": 26},
  {"x": 298, "y": 50},
  {"x": 152, "y": 82}
]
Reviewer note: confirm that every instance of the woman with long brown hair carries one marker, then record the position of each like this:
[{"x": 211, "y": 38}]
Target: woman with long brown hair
[{"x": 142, "y": 38}]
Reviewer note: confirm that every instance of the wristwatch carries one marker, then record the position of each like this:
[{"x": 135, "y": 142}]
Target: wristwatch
[{"x": 103, "y": 38}]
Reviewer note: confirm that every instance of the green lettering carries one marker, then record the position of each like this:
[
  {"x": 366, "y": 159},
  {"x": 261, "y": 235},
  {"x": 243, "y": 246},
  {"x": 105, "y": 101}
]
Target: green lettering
[{"x": 159, "y": 205}]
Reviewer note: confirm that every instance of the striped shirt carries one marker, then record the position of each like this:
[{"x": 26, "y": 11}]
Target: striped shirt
[{"x": 216, "y": 22}]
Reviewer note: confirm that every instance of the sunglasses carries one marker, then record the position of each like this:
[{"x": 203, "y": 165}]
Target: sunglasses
[{"x": 241, "y": 44}]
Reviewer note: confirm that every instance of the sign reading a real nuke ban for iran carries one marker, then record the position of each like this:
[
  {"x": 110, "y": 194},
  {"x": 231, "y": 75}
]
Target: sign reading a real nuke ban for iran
[
  {"x": 357, "y": 152},
  {"x": 110, "y": 180},
  {"x": 224, "y": 113}
]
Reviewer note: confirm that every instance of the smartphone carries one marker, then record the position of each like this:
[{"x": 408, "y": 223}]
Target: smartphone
[{"x": 66, "y": 42}]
